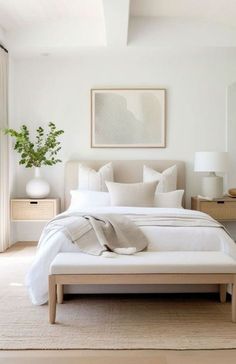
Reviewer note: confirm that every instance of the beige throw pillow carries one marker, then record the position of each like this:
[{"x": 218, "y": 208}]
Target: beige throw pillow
[
  {"x": 92, "y": 180},
  {"x": 172, "y": 199},
  {"x": 132, "y": 194},
  {"x": 167, "y": 179}
]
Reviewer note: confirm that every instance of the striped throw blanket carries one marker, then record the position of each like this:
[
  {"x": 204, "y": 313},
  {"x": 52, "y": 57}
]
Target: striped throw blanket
[{"x": 97, "y": 233}]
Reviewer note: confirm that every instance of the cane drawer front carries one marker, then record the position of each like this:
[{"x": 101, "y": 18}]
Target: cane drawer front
[
  {"x": 219, "y": 210},
  {"x": 27, "y": 209}
]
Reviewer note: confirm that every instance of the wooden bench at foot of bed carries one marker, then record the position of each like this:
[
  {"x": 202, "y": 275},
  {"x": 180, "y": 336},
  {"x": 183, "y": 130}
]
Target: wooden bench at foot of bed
[{"x": 144, "y": 268}]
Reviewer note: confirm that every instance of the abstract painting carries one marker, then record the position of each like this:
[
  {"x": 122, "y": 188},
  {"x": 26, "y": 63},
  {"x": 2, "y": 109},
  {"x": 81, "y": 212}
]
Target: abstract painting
[{"x": 128, "y": 118}]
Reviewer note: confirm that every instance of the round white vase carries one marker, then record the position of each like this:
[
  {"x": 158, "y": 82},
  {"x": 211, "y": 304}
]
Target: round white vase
[{"x": 37, "y": 187}]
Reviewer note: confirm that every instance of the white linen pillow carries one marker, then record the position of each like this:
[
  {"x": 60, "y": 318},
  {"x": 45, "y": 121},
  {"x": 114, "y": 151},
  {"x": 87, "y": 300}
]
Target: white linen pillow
[
  {"x": 171, "y": 199},
  {"x": 132, "y": 194},
  {"x": 82, "y": 199},
  {"x": 167, "y": 179},
  {"x": 92, "y": 180}
]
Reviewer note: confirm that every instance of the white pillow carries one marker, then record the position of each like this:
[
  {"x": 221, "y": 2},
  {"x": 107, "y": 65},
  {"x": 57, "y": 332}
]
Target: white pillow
[
  {"x": 171, "y": 199},
  {"x": 92, "y": 180},
  {"x": 167, "y": 179},
  {"x": 82, "y": 199},
  {"x": 132, "y": 194}
]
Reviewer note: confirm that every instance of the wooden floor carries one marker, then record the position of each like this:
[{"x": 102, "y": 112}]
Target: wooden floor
[
  {"x": 118, "y": 357},
  {"x": 115, "y": 356}
]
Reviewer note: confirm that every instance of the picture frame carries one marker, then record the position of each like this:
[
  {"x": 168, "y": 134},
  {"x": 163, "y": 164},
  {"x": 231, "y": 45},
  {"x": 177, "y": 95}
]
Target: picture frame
[{"x": 128, "y": 118}]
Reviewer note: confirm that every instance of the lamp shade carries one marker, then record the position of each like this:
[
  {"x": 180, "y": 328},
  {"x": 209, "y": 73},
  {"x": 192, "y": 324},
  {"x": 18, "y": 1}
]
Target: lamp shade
[{"x": 211, "y": 162}]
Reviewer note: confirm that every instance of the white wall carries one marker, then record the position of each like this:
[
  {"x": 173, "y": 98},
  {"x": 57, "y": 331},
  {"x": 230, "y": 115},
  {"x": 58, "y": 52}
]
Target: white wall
[
  {"x": 2, "y": 36},
  {"x": 57, "y": 88},
  {"x": 231, "y": 132}
]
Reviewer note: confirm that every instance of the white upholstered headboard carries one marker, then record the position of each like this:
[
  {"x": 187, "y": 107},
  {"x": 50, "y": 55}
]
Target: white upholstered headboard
[{"x": 127, "y": 171}]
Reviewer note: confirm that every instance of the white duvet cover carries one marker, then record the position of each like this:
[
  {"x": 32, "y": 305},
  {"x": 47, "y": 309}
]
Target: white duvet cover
[{"x": 161, "y": 238}]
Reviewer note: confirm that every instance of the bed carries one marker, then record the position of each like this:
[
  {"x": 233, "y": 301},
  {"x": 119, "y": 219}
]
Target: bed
[{"x": 182, "y": 239}]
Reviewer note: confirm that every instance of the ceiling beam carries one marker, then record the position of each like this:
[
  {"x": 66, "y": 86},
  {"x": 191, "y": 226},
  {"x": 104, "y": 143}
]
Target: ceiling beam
[{"x": 116, "y": 14}]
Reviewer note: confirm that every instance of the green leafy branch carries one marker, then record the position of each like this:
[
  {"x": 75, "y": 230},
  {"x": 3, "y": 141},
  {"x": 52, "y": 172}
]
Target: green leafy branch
[{"x": 43, "y": 151}]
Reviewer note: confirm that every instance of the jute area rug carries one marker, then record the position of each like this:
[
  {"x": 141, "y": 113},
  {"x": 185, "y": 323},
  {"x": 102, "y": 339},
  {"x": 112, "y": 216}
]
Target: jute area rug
[{"x": 108, "y": 322}]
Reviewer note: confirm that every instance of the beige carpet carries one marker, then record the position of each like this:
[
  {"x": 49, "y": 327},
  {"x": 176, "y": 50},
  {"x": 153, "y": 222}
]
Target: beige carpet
[{"x": 108, "y": 322}]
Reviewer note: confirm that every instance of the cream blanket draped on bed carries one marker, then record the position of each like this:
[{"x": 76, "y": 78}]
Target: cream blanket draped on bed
[
  {"x": 174, "y": 220},
  {"x": 97, "y": 233}
]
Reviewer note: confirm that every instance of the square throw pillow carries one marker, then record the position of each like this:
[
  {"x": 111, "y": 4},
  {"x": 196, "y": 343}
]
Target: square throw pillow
[
  {"x": 167, "y": 179},
  {"x": 132, "y": 194},
  {"x": 92, "y": 180},
  {"x": 171, "y": 199}
]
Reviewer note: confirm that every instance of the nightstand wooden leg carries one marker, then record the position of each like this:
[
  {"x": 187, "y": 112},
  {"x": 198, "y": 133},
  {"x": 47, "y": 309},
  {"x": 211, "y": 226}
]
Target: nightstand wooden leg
[
  {"x": 52, "y": 299},
  {"x": 60, "y": 293},
  {"x": 223, "y": 292},
  {"x": 234, "y": 300}
]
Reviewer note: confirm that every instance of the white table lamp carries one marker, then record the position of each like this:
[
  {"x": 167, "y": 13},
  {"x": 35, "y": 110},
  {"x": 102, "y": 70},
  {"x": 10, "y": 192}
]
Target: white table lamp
[{"x": 211, "y": 162}]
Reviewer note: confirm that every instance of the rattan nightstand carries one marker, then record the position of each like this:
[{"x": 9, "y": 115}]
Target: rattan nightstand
[
  {"x": 223, "y": 209},
  {"x": 34, "y": 209}
]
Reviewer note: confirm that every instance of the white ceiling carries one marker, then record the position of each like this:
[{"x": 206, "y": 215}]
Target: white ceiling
[
  {"x": 213, "y": 10},
  {"x": 16, "y": 14},
  {"x": 38, "y": 26}
]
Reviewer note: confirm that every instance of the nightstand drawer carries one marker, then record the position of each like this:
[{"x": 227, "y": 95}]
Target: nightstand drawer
[
  {"x": 219, "y": 210},
  {"x": 27, "y": 209}
]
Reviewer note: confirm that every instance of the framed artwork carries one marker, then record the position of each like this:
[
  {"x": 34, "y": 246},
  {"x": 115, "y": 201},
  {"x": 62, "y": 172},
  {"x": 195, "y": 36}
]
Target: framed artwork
[{"x": 128, "y": 118}]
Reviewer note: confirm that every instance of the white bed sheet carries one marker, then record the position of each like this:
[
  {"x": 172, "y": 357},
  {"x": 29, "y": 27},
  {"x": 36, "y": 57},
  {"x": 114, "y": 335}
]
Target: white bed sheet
[{"x": 160, "y": 239}]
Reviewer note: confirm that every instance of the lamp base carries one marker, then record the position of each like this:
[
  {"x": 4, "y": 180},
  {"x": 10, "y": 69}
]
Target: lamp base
[{"x": 212, "y": 186}]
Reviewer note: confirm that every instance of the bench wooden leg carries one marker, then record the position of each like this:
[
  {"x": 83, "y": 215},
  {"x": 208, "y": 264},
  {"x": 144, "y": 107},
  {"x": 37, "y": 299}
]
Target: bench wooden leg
[
  {"x": 234, "y": 300},
  {"x": 60, "y": 293},
  {"x": 223, "y": 292},
  {"x": 52, "y": 299}
]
